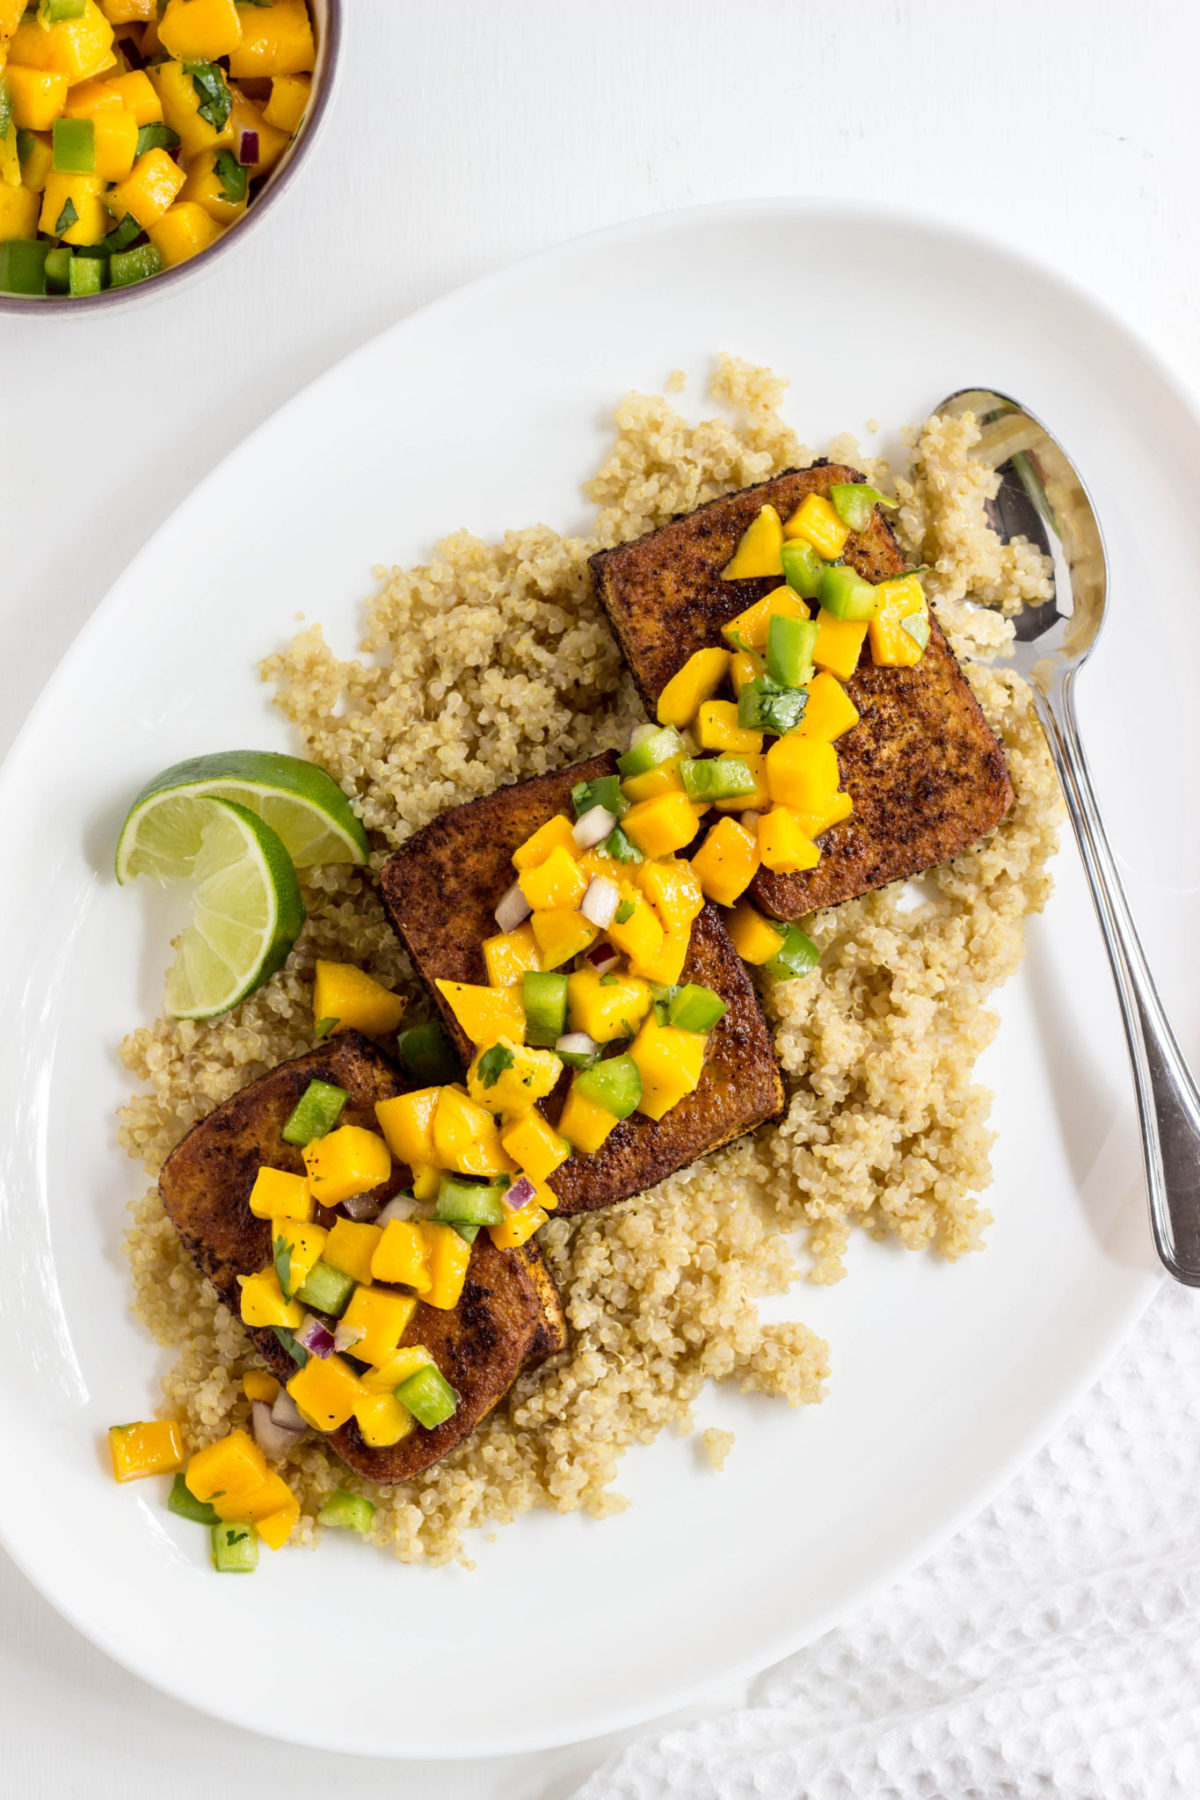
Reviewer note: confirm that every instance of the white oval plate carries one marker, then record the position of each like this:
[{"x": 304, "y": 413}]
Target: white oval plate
[{"x": 487, "y": 410}]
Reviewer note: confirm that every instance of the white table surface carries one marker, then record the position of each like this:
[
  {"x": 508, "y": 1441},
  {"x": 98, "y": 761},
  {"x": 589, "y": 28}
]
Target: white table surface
[{"x": 467, "y": 133}]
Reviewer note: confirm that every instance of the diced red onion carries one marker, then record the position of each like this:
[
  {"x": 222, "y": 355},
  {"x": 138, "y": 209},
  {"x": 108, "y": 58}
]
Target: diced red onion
[
  {"x": 346, "y": 1336},
  {"x": 248, "y": 149},
  {"x": 750, "y": 821},
  {"x": 285, "y": 1413},
  {"x": 602, "y": 957},
  {"x": 362, "y": 1208},
  {"x": 316, "y": 1338},
  {"x": 402, "y": 1207},
  {"x": 272, "y": 1439},
  {"x": 600, "y": 902},
  {"x": 577, "y": 1043},
  {"x": 519, "y": 1193},
  {"x": 512, "y": 909},
  {"x": 597, "y": 823}
]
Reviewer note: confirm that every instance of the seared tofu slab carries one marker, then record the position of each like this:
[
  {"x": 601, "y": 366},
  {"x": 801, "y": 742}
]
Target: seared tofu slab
[
  {"x": 509, "y": 1313},
  {"x": 441, "y": 888},
  {"x": 926, "y": 774}
]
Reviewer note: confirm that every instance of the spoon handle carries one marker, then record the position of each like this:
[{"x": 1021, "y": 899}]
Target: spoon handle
[{"x": 1168, "y": 1101}]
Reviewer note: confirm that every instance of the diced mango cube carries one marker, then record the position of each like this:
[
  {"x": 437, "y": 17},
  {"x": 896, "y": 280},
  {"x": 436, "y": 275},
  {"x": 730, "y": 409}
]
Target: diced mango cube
[
  {"x": 717, "y": 729},
  {"x": 18, "y": 211},
  {"x": 835, "y": 809},
  {"x": 116, "y": 144},
  {"x": 276, "y": 40},
  {"x": 406, "y": 1122},
  {"x": 830, "y": 710},
  {"x": 557, "y": 882},
  {"x": 149, "y": 190},
  {"x": 535, "y": 1146},
  {"x": 748, "y": 631},
  {"x": 518, "y": 1227},
  {"x": 259, "y": 1384},
  {"x": 639, "y": 935},
  {"x": 802, "y": 772},
  {"x": 75, "y": 48},
  {"x": 133, "y": 92},
  {"x": 783, "y": 845},
  {"x": 290, "y": 95},
  {"x": 345, "y": 1163},
  {"x": 272, "y": 1495},
  {"x": 350, "y": 1247},
  {"x": 277, "y": 1194},
  {"x": 606, "y": 1007},
  {"x": 199, "y": 30},
  {"x": 660, "y": 826},
  {"x": 510, "y": 955},
  {"x": 358, "y": 1002},
  {"x": 727, "y": 861},
  {"x": 665, "y": 964},
  {"x": 402, "y": 1256},
  {"x": 755, "y": 939},
  {"x": 38, "y": 97},
  {"x": 670, "y": 1063},
  {"x": 206, "y": 187},
  {"x": 183, "y": 231},
  {"x": 665, "y": 779},
  {"x": 466, "y": 1138},
  {"x": 398, "y": 1367},
  {"x": 584, "y": 1124},
  {"x": 326, "y": 1390},
  {"x": 35, "y": 172},
  {"x": 231, "y": 1469},
  {"x": 561, "y": 933},
  {"x": 527, "y": 1077},
  {"x": 181, "y": 110},
  {"x": 263, "y": 1304},
  {"x": 128, "y": 12},
  {"x": 449, "y": 1255},
  {"x": 816, "y": 521},
  {"x": 486, "y": 1014},
  {"x": 839, "y": 644},
  {"x": 382, "y": 1420},
  {"x": 758, "y": 548},
  {"x": 297, "y": 1249},
  {"x": 147, "y": 1447},
  {"x": 82, "y": 192},
  {"x": 673, "y": 891},
  {"x": 381, "y": 1316},
  {"x": 277, "y": 1527},
  {"x": 426, "y": 1179},
  {"x": 697, "y": 681},
  {"x": 900, "y": 629},
  {"x": 245, "y": 116},
  {"x": 556, "y": 834}
]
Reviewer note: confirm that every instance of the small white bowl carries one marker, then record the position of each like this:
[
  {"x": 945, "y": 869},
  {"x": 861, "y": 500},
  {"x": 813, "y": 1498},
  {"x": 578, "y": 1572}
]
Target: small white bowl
[{"x": 327, "y": 18}]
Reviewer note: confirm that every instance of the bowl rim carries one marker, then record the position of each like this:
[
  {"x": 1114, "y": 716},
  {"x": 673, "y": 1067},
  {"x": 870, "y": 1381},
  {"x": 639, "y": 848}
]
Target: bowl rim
[{"x": 328, "y": 53}]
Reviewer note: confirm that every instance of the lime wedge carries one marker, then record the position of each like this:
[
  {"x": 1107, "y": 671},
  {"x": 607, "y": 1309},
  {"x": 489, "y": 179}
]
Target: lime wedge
[
  {"x": 304, "y": 807},
  {"x": 247, "y": 915}
]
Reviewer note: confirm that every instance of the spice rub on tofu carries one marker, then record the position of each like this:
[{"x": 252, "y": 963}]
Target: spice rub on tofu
[
  {"x": 509, "y": 1314},
  {"x": 441, "y": 888},
  {"x": 925, "y": 772}
]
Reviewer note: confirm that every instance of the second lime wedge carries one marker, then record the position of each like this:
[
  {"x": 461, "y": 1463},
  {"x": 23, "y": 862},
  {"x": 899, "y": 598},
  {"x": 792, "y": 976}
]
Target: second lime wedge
[
  {"x": 247, "y": 915},
  {"x": 303, "y": 806}
]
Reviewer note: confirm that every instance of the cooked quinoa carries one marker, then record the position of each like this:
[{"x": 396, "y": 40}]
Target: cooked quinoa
[{"x": 491, "y": 663}]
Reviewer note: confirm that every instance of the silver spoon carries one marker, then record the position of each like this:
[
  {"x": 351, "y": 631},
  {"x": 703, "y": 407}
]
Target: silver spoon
[{"x": 1042, "y": 497}]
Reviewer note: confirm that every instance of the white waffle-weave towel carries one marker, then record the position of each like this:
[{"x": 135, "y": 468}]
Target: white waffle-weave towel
[{"x": 1051, "y": 1651}]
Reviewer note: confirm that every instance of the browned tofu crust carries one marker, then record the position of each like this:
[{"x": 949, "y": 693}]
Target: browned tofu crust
[
  {"x": 925, "y": 771},
  {"x": 509, "y": 1313},
  {"x": 441, "y": 888}
]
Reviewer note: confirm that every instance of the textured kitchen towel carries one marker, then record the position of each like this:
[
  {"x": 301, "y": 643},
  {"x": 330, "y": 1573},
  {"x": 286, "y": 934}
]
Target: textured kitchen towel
[{"x": 1050, "y": 1650}]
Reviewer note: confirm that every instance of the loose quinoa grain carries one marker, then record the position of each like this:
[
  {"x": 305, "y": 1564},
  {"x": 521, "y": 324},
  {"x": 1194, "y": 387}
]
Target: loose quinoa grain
[
  {"x": 491, "y": 663},
  {"x": 717, "y": 1445}
]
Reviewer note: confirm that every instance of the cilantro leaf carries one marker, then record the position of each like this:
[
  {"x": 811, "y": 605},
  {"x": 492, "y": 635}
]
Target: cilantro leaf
[
  {"x": 232, "y": 176},
  {"x": 624, "y": 912},
  {"x": 216, "y": 102},
  {"x": 493, "y": 1063},
  {"x": 283, "y": 1266},
  {"x": 66, "y": 218},
  {"x": 156, "y": 136}
]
